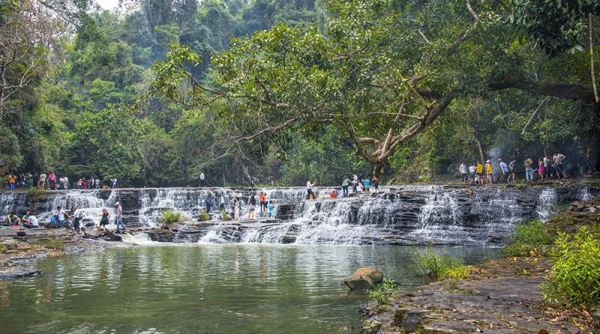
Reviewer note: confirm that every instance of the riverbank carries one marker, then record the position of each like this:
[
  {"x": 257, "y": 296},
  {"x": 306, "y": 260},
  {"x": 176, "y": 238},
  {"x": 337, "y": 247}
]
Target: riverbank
[
  {"x": 19, "y": 249},
  {"x": 499, "y": 296}
]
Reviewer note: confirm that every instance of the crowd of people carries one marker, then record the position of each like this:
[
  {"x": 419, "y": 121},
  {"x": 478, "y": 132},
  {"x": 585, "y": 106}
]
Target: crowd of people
[
  {"x": 52, "y": 181},
  {"x": 63, "y": 218},
  {"x": 500, "y": 172}
]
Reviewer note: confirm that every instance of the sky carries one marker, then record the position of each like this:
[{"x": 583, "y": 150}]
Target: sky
[{"x": 108, "y": 4}]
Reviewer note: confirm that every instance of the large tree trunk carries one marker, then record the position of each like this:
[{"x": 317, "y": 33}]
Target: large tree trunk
[{"x": 378, "y": 169}]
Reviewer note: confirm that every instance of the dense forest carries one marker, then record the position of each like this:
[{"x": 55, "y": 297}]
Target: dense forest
[{"x": 156, "y": 92}]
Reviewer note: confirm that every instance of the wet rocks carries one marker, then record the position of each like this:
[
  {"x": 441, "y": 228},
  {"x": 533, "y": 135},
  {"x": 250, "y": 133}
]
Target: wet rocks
[{"x": 363, "y": 279}]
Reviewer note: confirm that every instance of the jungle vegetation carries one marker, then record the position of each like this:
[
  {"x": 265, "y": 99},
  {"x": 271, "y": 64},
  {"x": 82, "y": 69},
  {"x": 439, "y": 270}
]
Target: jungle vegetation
[{"x": 156, "y": 92}]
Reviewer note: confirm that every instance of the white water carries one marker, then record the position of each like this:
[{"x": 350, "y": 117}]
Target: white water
[
  {"x": 546, "y": 204},
  {"x": 410, "y": 214}
]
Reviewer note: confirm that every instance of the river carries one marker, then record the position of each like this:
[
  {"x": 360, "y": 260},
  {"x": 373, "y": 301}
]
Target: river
[{"x": 226, "y": 288}]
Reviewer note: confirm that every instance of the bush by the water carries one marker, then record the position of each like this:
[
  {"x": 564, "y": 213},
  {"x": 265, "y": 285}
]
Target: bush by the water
[
  {"x": 575, "y": 276},
  {"x": 383, "y": 292},
  {"x": 438, "y": 267},
  {"x": 529, "y": 239},
  {"x": 171, "y": 217}
]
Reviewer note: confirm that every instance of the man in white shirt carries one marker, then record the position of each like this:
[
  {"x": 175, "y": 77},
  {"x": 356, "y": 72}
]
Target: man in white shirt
[{"x": 462, "y": 169}]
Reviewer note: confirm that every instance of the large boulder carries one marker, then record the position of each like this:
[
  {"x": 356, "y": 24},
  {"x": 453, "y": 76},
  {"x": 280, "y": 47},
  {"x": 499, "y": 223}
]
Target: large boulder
[{"x": 363, "y": 279}]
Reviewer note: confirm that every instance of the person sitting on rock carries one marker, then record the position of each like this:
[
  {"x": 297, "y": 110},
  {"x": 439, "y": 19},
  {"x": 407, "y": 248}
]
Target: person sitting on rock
[{"x": 13, "y": 220}]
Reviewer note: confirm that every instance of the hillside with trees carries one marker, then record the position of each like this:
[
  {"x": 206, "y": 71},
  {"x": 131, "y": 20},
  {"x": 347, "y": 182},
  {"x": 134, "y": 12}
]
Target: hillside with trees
[{"x": 156, "y": 92}]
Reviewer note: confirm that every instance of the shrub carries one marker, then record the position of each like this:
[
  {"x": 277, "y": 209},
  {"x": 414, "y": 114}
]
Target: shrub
[
  {"x": 34, "y": 192},
  {"x": 383, "y": 292},
  {"x": 529, "y": 239},
  {"x": 204, "y": 216},
  {"x": 171, "y": 217},
  {"x": 437, "y": 267},
  {"x": 3, "y": 248},
  {"x": 225, "y": 216},
  {"x": 575, "y": 276}
]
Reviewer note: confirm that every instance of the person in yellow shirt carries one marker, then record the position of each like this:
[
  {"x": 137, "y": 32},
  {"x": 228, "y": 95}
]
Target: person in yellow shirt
[
  {"x": 479, "y": 172},
  {"x": 488, "y": 171},
  {"x": 12, "y": 180}
]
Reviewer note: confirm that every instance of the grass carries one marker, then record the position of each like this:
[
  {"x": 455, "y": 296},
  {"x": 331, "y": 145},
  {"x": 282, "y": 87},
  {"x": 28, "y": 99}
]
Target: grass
[
  {"x": 529, "y": 239},
  {"x": 437, "y": 267},
  {"x": 171, "y": 217}
]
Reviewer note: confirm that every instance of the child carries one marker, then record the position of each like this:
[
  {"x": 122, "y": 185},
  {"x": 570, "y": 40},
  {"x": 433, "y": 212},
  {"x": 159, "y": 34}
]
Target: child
[
  {"x": 541, "y": 169},
  {"x": 271, "y": 208}
]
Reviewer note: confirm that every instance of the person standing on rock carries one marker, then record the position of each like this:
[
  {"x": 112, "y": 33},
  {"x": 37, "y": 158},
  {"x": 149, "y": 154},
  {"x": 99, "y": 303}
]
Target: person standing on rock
[
  {"x": 104, "y": 219},
  {"x": 355, "y": 183},
  {"x": 77, "y": 218},
  {"x": 52, "y": 180},
  {"x": 375, "y": 182},
  {"x": 12, "y": 181},
  {"x": 119, "y": 218},
  {"x": 309, "y": 192},
  {"x": 462, "y": 169},
  {"x": 271, "y": 207},
  {"x": 202, "y": 183},
  {"x": 252, "y": 212},
  {"x": 262, "y": 200},
  {"x": 488, "y": 171},
  {"x": 479, "y": 172},
  {"x": 541, "y": 170},
  {"x": 472, "y": 174},
  {"x": 528, "y": 169},
  {"x": 221, "y": 202},
  {"x": 208, "y": 202},
  {"x": 345, "y": 185},
  {"x": 505, "y": 172}
]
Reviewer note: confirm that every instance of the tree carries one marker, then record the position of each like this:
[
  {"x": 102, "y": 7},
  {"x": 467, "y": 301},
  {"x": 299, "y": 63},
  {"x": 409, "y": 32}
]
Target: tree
[{"x": 370, "y": 74}]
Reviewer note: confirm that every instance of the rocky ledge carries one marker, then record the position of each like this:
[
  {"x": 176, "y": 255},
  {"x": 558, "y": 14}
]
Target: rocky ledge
[
  {"x": 502, "y": 296},
  {"x": 20, "y": 248}
]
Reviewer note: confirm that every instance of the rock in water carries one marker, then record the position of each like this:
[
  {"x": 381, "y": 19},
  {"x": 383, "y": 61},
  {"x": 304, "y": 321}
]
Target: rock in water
[{"x": 363, "y": 279}]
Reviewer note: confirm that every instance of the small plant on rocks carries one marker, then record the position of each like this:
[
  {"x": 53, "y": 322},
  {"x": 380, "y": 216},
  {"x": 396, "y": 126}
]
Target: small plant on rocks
[
  {"x": 171, "y": 217},
  {"x": 383, "y": 292}
]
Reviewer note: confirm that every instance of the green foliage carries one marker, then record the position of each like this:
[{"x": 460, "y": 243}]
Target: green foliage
[
  {"x": 556, "y": 25},
  {"x": 225, "y": 216},
  {"x": 3, "y": 248},
  {"x": 575, "y": 276},
  {"x": 113, "y": 136},
  {"x": 383, "y": 292},
  {"x": 34, "y": 191},
  {"x": 171, "y": 217},
  {"x": 438, "y": 267},
  {"x": 204, "y": 216},
  {"x": 10, "y": 150},
  {"x": 529, "y": 239}
]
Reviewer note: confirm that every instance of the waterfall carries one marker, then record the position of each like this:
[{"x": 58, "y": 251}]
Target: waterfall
[
  {"x": 546, "y": 204},
  {"x": 398, "y": 215}
]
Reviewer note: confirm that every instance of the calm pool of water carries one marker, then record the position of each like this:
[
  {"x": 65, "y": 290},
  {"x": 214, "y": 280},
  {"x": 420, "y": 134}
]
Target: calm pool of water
[{"x": 204, "y": 289}]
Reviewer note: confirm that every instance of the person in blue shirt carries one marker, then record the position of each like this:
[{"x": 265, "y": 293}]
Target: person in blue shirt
[
  {"x": 367, "y": 184},
  {"x": 271, "y": 208}
]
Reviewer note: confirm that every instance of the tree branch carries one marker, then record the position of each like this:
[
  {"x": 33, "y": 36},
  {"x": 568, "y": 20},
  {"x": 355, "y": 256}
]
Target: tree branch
[{"x": 560, "y": 90}]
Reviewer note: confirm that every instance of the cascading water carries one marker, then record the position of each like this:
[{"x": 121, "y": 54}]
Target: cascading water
[
  {"x": 399, "y": 215},
  {"x": 546, "y": 204}
]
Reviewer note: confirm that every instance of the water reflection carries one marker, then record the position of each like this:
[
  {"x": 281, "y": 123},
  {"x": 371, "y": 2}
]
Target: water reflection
[{"x": 207, "y": 288}]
